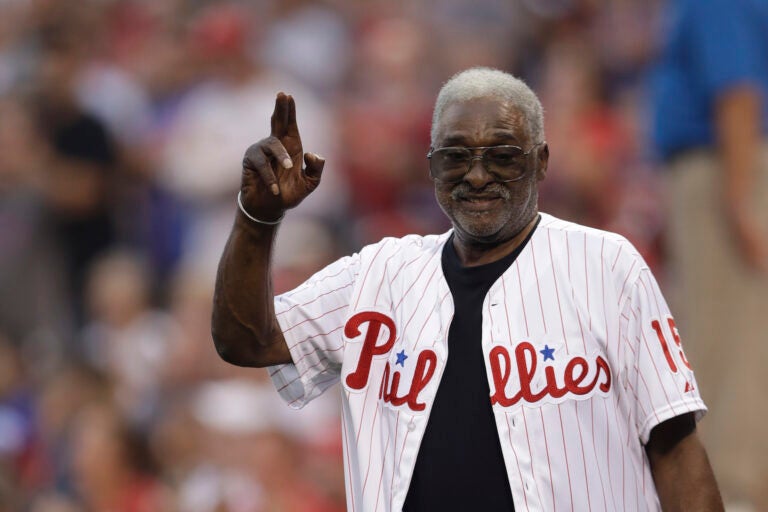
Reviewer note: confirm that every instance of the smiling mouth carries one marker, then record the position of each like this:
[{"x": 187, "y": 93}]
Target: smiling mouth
[{"x": 480, "y": 203}]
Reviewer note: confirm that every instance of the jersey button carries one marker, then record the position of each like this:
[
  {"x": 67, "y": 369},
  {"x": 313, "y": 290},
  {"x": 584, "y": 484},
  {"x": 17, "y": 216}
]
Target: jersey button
[{"x": 411, "y": 426}]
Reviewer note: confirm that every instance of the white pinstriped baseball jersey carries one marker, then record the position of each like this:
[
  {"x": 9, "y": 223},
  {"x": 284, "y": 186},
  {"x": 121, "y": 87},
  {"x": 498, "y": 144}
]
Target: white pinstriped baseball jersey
[{"x": 582, "y": 356}]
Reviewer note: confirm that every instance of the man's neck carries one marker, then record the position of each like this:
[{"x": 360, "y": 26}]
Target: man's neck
[{"x": 473, "y": 255}]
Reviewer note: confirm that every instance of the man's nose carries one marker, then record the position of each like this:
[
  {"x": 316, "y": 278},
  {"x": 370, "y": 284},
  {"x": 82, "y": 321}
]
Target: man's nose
[{"x": 477, "y": 175}]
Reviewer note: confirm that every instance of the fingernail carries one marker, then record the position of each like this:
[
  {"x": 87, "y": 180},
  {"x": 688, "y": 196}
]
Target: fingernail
[
  {"x": 287, "y": 163},
  {"x": 275, "y": 189}
]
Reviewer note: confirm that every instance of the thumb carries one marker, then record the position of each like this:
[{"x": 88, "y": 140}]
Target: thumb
[{"x": 314, "y": 165}]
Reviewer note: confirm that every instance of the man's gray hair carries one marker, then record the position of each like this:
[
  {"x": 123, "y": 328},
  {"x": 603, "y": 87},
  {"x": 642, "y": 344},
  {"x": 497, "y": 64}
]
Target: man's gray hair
[{"x": 487, "y": 82}]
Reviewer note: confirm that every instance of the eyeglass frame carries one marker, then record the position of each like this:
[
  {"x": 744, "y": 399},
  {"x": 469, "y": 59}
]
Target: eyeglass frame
[{"x": 481, "y": 157}]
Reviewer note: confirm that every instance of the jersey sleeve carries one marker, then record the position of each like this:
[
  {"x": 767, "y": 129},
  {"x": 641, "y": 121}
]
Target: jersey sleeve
[
  {"x": 660, "y": 380},
  {"x": 312, "y": 319}
]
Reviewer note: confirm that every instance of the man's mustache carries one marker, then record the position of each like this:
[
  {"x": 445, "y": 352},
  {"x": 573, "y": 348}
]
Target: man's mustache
[{"x": 466, "y": 191}]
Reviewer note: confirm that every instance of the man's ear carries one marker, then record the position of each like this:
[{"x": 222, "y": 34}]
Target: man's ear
[{"x": 542, "y": 161}]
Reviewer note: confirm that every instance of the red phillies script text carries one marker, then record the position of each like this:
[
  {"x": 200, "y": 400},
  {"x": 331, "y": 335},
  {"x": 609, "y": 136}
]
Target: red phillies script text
[
  {"x": 426, "y": 363},
  {"x": 425, "y": 369},
  {"x": 572, "y": 378}
]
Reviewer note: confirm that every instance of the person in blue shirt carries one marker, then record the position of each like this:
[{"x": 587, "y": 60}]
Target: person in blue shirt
[{"x": 710, "y": 127}]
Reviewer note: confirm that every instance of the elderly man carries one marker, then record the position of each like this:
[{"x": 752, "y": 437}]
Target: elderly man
[{"x": 518, "y": 361}]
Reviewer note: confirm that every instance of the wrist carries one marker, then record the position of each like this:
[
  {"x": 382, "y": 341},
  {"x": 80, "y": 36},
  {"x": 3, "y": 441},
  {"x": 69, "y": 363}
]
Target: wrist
[{"x": 264, "y": 219}]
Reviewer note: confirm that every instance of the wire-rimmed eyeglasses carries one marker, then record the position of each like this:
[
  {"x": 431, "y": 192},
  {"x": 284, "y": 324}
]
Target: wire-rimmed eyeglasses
[{"x": 506, "y": 163}]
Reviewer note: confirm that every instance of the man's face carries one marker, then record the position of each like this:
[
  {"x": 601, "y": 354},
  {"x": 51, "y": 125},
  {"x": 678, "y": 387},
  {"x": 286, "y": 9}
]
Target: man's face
[{"x": 483, "y": 210}]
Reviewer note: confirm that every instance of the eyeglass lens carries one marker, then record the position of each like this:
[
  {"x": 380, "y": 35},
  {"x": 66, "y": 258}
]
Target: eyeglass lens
[{"x": 451, "y": 164}]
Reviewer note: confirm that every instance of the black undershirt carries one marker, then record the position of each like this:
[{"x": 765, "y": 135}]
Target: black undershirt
[{"x": 460, "y": 464}]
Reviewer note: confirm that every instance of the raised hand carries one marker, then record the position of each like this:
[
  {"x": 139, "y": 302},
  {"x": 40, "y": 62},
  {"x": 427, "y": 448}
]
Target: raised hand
[{"x": 273, "y": 179}]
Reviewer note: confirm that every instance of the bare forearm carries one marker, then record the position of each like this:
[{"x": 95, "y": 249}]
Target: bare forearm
[
  {"x": 681, "y": 471},
  {"x": 244, "y": 326},
  {"x": 687, "y": 482}
]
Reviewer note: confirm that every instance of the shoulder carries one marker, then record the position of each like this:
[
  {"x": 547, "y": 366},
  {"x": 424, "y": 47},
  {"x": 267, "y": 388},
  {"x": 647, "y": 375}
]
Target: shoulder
[
  {"x": 612, "y": 241},
  {"x": 617, "y": 256},
  {"x": 376, "y": 258},
  {"x": 407, "y": 247}
]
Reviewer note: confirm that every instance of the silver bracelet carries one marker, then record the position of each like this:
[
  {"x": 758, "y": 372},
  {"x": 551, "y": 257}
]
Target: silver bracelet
[{"x": 254, "y": 219}]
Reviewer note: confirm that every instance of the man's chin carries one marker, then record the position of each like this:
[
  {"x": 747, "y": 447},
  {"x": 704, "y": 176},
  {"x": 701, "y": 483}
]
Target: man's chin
[
  {"x": 488, "y": 229},
  {"x": 478, "y": 231}
]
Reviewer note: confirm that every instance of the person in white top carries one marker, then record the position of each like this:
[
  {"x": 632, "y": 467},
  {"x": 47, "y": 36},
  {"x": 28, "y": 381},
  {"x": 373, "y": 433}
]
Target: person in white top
[{"x": 552, "y": 337}]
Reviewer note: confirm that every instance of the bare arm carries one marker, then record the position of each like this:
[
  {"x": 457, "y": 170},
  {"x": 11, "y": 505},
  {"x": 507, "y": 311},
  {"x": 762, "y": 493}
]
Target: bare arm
[
  {"x": 244, "y": 327},
  {"x": 680, "y": 467},
  {"x": 737, "y": 123}
]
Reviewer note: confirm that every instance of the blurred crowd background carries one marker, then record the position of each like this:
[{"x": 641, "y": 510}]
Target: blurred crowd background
[{"x": 122, "y": 128}]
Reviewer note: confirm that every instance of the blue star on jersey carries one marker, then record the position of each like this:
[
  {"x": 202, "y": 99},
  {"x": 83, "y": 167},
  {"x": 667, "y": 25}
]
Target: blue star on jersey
[
  {"x": 547, "y": 352},
  {"x": 401, "y": 357}
]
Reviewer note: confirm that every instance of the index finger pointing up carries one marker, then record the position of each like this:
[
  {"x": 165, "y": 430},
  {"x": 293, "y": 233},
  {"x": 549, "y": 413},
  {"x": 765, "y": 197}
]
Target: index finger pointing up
[
  {"x": 279, "y": 120},
  {"x": 292, "y": 127}
]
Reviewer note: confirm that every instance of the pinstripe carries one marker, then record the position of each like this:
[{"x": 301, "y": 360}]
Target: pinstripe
[
  {"x": 522, "y": 409},
  {"x": 399, "y": 278},
  {"x": 517, "y": 461},
  {"x": 565, "y": 339},
  {"x": 304, "y": 304}
]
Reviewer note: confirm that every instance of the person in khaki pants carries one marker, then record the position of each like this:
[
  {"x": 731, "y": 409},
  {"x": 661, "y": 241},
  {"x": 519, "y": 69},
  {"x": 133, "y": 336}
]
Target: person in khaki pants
[{"x": 711, "y": 114}]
